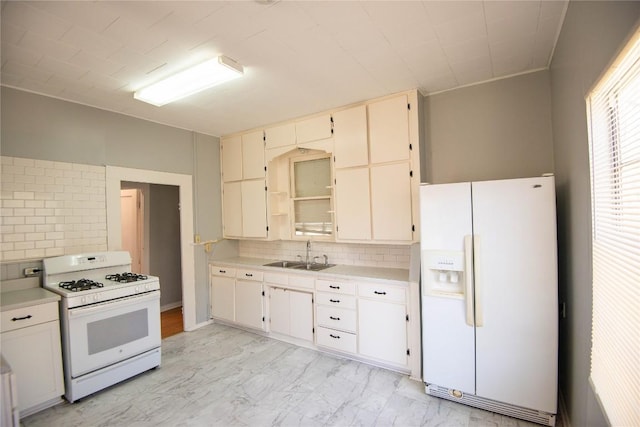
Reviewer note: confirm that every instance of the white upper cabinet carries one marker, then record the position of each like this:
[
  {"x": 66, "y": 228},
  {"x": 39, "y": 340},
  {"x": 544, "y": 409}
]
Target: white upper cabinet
[
  {"x": 391, "y": 202},
  {"x": 231, "y": 158},
  {"x": 254, "y": 209},
  {"x": 232, "y": 209},
  {"x": 389, "y": 130},
  {"x": 280, "y": 136},
  {"x": 353, "y": 205},
  {"x": 313, "y": 129},
  {"x": 253, "y": 164},
  {"x": 350, "y": 137}
]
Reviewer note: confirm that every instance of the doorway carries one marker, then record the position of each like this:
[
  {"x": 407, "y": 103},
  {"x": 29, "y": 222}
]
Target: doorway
[
  {"x": 132, "y": 219},
  {"x": 115, "y": 177}
]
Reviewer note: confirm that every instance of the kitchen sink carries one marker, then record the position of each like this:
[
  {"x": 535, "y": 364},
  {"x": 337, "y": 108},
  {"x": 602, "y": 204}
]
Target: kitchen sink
[
  {"x": 299, "y": 265},
  {"x": 286, "y": 264}
]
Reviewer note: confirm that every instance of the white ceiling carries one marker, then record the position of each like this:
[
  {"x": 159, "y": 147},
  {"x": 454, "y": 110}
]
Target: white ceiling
[{"x": 299, "y": 57}]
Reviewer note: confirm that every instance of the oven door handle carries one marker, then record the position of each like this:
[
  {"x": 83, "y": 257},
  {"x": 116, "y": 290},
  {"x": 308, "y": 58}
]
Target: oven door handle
[{"x": 121, "y": 302}]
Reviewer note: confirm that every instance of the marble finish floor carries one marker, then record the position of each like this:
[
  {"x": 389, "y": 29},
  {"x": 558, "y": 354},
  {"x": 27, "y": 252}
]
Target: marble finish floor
[{"x": 222, "y": 376}]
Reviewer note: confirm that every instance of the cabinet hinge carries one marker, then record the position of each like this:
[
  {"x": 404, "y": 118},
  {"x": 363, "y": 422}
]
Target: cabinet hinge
[
  {"x": 265, "y": 188},
  {"x": 265, "y": 168},
  {"x": 410, "y": 147},
  {"x": 406, "y": 317},
  {"x": 267, "y": 228},
  {"x": 408, "y": 352},
  {"x": 313, "y": 330},
  {"x": 263, "y": 295},
  {"x": 411, "y": 174},
  {"x": 263, "y": 321},
  {"x": 409, "y": 106},
  {"x": 413, "y": 228}
]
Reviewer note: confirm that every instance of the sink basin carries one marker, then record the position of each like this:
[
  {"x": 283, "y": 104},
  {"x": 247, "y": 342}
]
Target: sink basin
[
  {"x": 299, "y": 265},
  {"x": 286, "y": 264},
  {"x": 313, "y": 267}
]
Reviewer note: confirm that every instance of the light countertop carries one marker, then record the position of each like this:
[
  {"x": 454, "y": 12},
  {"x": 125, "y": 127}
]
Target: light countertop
[
  {"x": 26, "y": 298},
  {"x": 339, "y": 271}
]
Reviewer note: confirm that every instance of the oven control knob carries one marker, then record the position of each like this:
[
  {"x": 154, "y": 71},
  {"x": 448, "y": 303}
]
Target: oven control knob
[
  {"x": 96, "y": 297},
  {"x": 83, "y": 300},
  {"x": 137, "y": 289}
]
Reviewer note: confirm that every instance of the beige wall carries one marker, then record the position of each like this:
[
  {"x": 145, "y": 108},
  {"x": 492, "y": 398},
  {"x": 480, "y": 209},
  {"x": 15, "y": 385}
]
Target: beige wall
[
  {"x": 590, "y": 36},
  {"x": 496, "y": 130}
]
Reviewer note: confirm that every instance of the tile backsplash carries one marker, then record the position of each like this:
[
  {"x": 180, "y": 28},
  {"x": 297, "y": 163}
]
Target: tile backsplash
[
  {"x": 51, "y": 208},
  {"x": 368, "y": 255}
]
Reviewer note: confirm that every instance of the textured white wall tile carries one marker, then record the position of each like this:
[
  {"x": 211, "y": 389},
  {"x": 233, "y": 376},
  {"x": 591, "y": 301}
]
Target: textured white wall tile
[{"x": 51, "y": 208}]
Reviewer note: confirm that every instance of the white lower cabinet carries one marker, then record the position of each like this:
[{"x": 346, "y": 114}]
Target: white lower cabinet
[
  {"x": 291, "y": 313},
  {"x": 336, "y": 313},
  {"x": 31, "y": 346},
  {"x": 382, "y": 323},
  {"x": 222, "y": 295},
  {"x": 237, "y": 296},
  {"x": 249, "y": 302}
]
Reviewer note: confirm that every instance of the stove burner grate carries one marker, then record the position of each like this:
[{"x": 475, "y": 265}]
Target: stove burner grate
[
  {"x": 80, "y": 285},
  {"x": 126, "y": 277}
]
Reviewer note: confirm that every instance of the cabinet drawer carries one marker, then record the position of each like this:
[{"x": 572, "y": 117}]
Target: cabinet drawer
[
  {"x": 29, "y": 316},
  {"x": 301, "y": 281},
  {"x": 276, "y": 279},
  {"x": 249, "y": 275},
  {"x": 222, "y": 271},
  {"x": 336, "y": 300},
  {"x": 336, "y": 286},
  {"x": 343, "y": 341},
  {"x": 382, "y": 292},
  {"x": 337, "y": 318}
]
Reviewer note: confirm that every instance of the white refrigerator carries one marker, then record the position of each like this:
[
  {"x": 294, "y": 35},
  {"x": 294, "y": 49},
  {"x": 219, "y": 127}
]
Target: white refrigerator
[{"x": 489, "y": 295}]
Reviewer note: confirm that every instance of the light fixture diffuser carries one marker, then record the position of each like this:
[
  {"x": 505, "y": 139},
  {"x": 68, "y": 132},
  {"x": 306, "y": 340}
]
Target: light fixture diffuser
[{"x": 187, "y": 82}]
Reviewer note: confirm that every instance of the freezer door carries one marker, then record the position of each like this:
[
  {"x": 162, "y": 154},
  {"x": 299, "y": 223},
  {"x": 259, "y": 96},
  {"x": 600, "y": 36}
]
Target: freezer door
[
  {"x": 514, "y": 226},
  {"x": 447, "y": 304}
]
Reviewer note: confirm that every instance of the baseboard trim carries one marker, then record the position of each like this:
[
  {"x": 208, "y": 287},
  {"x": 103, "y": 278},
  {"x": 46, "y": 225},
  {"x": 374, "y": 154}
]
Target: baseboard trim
[{"x": 171, "y": 306}]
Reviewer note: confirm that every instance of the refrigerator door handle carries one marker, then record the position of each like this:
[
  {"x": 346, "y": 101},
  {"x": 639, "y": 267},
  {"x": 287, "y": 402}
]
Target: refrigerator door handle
[
  {"x": 468, "y": 279},
  {"x": 477, "y": 255}
]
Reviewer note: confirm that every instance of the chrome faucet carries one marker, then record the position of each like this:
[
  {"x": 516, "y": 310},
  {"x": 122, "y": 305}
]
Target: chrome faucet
[{"x": 308, "y": 250}]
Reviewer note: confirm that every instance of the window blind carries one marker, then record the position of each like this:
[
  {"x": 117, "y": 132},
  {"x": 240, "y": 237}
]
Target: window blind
[{"x": 613, "y": 110}]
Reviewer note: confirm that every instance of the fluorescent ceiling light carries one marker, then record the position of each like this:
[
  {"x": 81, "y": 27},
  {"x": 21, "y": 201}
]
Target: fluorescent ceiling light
[{"x": 199, "y": 77}]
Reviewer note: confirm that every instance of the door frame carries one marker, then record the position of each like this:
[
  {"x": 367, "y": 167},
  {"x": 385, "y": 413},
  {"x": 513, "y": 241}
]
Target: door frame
[{"x": 114, "y": 177}]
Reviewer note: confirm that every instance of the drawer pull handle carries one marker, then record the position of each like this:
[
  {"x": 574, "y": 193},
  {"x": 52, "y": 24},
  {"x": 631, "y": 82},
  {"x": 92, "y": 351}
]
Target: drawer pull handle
[
  {"x": 22, "y": 318},
  {"x": 334, "y": 287},
  {"x": 222, "y": 271},
  {"x": 334, "y": 300},
  {"x": 334, "y": 318},
  {"x": 379, "y": 293},
  {"x": 335, "y": 336},
  {"x": 248, "y": 274}
]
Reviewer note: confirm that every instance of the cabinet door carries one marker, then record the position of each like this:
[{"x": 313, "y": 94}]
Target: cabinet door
[
  {"x": 254, "y": 209},
  {"x": 382, "y": 331},
  {"x": 350, "y": 137},
  {"x": 389, "y": 130},
  {"x": 280, "y": 136},
  {"x": 222, "y": 298},
  {"x": 232, "y": 209},
  {"x": 353, "y": 207},
  {"x": 253, "y": 155},
  {"x": 279, "y": 310},
  {"x": 313, "y": 129},
  {"x": 249, "y": 303},
  {"x": 231, "y": 158},
  {"x": 35, "y": 357},
  {"x": 391, "y": 202},
  {"x": 301, "y": 315}
]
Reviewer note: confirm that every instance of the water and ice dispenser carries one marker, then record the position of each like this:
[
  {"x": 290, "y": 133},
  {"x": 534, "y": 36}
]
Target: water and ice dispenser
[{"x": 444, "y": 273}]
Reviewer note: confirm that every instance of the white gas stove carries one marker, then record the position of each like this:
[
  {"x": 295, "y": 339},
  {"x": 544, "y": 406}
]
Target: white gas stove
[{"x": 110, "y": 319}]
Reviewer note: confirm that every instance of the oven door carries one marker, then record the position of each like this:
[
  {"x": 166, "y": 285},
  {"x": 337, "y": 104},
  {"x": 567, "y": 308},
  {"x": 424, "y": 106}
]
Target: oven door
[{"x": 106, "y": 333}]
